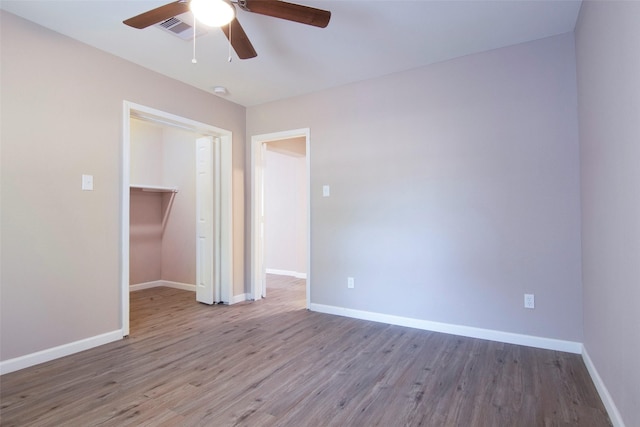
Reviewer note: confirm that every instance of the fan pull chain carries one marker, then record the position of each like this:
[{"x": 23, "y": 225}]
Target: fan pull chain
[
  {"x": 229, "y": 59},
  {"x": 194, "y": 60}
]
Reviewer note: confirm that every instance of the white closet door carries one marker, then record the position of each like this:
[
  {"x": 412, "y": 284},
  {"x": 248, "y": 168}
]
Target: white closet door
[{"x": 207, "y": 284}]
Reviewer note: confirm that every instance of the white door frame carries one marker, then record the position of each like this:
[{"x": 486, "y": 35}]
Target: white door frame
[
  {"x": 258, "y": 269},
  {"x": 224, "y": 240}
]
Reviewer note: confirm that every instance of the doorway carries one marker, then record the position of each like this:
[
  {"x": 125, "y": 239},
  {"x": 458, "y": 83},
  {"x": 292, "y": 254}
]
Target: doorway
[
  {"x": 277, "y": 142},
  {"x": 213, "y": 246}
]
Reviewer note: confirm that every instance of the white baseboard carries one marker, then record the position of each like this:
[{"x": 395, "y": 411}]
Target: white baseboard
[
  {"x": 167, "y": 283},
  {"x": 287, "y": 273},
  {"x": 465, "y": 331},
  {"x": 49, "y": 354},
  {"x": 607, "y": 400}
]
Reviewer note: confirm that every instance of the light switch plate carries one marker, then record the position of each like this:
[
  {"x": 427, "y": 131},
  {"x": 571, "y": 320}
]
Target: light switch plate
[
  {"x": 87, "y": 182},
  {"x": 326, "y": 191}
]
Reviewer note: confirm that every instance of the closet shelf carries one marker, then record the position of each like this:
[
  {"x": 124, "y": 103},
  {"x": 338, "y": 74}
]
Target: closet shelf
[{"x": 154, "y": 188}]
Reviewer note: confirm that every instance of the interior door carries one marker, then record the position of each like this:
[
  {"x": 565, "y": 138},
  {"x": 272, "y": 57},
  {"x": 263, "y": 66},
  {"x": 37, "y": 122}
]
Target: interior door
[{"x": 207, "y": 287}]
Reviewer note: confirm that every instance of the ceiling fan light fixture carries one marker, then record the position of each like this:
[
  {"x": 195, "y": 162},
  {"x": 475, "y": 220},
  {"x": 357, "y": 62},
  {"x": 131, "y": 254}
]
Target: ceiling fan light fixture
[{"x": 214, "y": 13}]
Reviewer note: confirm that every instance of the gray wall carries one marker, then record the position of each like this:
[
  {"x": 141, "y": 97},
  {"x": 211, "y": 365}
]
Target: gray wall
[
  {"x": 61, "y": 118},
  {"x": 454, "y": 190},
  {"x": 608, "y": 63},
  {"x": 179, "y": 237},
  {"x": 285, "y": 199}
]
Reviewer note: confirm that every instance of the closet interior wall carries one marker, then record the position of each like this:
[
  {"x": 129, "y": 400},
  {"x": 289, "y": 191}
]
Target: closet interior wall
[{"x": 162, "y": 224}]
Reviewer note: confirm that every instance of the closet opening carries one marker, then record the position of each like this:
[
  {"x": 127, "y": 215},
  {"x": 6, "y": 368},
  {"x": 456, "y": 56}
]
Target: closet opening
[{"x": 176, "y": 207}]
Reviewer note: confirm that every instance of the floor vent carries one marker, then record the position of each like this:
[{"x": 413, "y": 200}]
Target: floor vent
[{"x": 180, "y": 28}]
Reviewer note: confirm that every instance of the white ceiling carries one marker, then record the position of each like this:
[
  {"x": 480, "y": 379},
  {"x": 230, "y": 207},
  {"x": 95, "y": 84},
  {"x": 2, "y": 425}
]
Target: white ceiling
[{"x": 365, "y": 39}]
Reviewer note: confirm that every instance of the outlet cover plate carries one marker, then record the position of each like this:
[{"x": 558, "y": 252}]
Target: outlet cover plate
[{"x": 529, "y": 301}]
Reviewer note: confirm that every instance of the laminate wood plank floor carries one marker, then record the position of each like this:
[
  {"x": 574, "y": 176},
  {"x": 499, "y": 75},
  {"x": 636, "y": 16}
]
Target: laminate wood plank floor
[{"x": 273, "y": 363}]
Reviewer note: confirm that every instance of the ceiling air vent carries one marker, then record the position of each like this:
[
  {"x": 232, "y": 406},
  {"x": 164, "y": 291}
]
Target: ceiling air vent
[{"x": 179, "y": 28}]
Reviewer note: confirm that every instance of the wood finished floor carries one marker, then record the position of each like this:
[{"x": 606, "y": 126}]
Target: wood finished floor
[{"x": 273, "y": 363}]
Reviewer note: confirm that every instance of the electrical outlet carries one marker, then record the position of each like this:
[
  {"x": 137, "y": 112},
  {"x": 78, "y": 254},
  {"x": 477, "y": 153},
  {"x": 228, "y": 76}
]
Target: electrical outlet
[
  {"x": 529, "y": 301},
  {"x": 350, "y": 283}
]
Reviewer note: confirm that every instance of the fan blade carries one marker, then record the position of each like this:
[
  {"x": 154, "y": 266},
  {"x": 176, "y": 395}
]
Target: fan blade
[
  {"x": 239, "y": 40},
  {"x": 158, "y": 14},
  {"x": 289, "y": 11}
]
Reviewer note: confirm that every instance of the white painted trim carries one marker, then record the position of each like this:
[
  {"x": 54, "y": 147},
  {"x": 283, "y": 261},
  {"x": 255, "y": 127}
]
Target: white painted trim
[
  {"x": 287, "y": 273},
  {"x": 166, "y": 283},
  {"x": 257, "y": 177},
  {"x": 257, "y": 194},
  {"x": 145, "y": 285},
  {"x": 178, "y": 285},
  {"x": 465, "y": 331},
  {"x": 308, "y": 273},
  {"x": 125, "y": 200},
  {"x": 49, "y": 354},
  {"x": 607, "y": 400},
  {"x": 131, "y": 109},
  {"x": 239, "y": 298}
]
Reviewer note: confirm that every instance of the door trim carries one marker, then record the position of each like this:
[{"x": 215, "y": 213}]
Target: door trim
[
  {"x": 134, "y": 110},
  {"x": 257, "y": 187}
]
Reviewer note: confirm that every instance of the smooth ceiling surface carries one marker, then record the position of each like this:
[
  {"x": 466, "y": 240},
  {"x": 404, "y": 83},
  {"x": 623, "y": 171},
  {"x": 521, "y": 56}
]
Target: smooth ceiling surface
[{"x": 365, "y": 39}]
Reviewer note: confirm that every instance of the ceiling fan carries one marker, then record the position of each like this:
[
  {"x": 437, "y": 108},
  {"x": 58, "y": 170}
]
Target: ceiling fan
[{"x": 232, "y": 28}]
